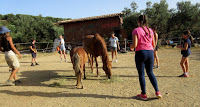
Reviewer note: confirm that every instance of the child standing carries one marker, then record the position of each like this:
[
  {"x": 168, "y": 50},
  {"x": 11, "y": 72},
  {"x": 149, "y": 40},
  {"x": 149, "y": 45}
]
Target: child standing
[
  {"x": 113, "y": 45},
  {"x": 33, "y": 51},
  {"x": 62, "y": 48},
  {"x": 11, "y": 59},
  {"x": 185, "y": 51}
]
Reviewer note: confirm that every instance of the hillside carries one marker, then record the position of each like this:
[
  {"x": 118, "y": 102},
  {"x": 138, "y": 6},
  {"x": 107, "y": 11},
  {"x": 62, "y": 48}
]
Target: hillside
[{"x": 26, "y": 27}]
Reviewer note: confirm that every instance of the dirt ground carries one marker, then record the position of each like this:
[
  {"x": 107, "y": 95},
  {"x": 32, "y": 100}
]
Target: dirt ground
[{"x": 36, "y": 89}]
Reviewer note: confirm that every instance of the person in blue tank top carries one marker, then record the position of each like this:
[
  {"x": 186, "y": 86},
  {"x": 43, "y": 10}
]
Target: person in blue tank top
[{"x": 185, "y": 51}]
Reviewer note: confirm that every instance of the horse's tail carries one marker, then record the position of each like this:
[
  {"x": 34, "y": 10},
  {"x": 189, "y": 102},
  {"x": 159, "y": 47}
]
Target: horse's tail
[{"x": 76, "y": 61}]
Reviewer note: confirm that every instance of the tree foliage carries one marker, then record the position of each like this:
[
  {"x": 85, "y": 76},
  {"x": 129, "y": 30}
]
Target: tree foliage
[
  {"x": 170, "y": 22},
  {"x": 26, "y": 27}
]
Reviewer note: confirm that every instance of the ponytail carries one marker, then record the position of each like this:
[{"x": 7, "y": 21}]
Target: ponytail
[
  {"x": 189, "y": 35},
  {"x": 191, "y": 38},
  {"x": 144, "y": 22}
]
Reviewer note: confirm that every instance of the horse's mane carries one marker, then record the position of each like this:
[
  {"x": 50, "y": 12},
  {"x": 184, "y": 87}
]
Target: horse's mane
[{"x": 101, "y": 45}]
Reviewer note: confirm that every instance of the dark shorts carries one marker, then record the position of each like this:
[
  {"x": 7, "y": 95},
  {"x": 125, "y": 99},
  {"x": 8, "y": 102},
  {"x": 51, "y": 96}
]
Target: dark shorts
[
  {"x": 185, "y": 53},
  {"x": 156, "y": 48},
  {"x": 33, "y": 55},
  {"x": 113, "y": 48}
]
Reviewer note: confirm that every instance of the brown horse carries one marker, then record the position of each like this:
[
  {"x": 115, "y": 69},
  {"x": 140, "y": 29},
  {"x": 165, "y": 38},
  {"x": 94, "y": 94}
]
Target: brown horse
[
  {"x": 96, "y": 46},
  {"x": 79, "y": 58}
]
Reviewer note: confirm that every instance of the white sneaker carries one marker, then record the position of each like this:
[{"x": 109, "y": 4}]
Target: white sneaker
[
  {"x": 113, "y": 61},
  {"x": 60, "y": 61},
  {"x": 116, "y": 61},
  {"x": 9, "y": 83}
]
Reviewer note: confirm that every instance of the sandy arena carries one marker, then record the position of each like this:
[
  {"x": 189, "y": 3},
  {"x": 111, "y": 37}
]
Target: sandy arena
[{"x": 52, "y": 84}]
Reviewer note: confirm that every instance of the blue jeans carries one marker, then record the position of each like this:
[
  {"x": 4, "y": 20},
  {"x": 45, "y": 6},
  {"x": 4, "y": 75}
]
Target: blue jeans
[{"x": 144, "y": 59}]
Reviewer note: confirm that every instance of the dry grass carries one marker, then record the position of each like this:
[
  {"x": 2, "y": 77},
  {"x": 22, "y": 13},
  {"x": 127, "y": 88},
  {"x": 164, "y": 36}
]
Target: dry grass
[{"x": 53, "y": 83}]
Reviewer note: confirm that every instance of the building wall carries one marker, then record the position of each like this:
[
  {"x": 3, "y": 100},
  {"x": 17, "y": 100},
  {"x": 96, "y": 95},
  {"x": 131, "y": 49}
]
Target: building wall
[{"x": 76, "y": 30}]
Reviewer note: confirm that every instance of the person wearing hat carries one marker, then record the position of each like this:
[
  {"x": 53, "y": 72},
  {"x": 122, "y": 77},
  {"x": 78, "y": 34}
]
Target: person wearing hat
[{"x": 7, "y": 46}]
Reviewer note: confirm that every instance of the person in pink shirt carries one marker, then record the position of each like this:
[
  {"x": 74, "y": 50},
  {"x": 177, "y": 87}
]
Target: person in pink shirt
[{"x": 143, "y": 42}]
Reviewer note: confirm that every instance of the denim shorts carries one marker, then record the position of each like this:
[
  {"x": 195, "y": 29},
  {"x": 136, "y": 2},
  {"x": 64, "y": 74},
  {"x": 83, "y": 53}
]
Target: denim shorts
[
  {"x": 33, "y": 55},
  {"x": 62, "y": 47},
  {"x": 113, "y": 48}
]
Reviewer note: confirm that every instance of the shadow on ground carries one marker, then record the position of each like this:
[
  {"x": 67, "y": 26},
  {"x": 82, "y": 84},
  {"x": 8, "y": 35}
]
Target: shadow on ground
[
  {"x": 60, "y": 94},
  {"x": 36, "y": 78}
]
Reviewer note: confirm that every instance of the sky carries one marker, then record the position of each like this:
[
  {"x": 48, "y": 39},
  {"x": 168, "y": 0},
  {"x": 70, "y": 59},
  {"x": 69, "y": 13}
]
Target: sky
[{"x": 74, "y": 8}]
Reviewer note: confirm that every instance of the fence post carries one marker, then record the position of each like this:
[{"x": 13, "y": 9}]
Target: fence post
[{"x": 125, "y": 44}]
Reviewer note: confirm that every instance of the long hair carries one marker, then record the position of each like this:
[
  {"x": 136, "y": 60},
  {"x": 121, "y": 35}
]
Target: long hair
[
  {"x": 189, "y": 35},
  {"x": 76, "y": 63},
  {"x": 143, "y": 20}
]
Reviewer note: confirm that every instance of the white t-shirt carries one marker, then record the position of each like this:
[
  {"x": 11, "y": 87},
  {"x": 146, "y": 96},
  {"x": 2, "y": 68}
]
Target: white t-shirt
[
  {"x": 113, "y": 41},
  {"x": 62, "y": 41}
]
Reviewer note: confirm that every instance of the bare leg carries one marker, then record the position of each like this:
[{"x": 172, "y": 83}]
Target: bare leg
[
  {"x": 32, "y": 60},
  {"x": 64, "y": 55},
  {"x": 112, "y": 54},
  {"x": 116, "y": 55},
  {"x": 13, "y": 74},
  {"x": 156, "y": 60},
  {"x": 182, "y": 64},
  {"x": 61, "y": 55},
  {"x": 187, "y": 65},
  {"x": 35, "y": 60}
]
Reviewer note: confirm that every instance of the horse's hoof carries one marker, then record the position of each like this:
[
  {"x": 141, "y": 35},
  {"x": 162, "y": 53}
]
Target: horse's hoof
[{"x": 84, "y": 77}]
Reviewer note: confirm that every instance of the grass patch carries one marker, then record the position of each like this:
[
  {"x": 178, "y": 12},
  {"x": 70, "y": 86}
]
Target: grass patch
[
  {"x": 55, "y": 84},
  {"x": 113, "y": 79}
]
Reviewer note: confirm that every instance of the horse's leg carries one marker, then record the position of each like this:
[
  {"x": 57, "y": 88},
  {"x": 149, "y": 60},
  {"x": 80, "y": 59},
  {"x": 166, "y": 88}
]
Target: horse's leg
[
  {"x": 79, "y": 80},
  {"x": 97, "y": 67},
  {"x": 84, "y": 71},
  {"x": 91, "y": 63}
]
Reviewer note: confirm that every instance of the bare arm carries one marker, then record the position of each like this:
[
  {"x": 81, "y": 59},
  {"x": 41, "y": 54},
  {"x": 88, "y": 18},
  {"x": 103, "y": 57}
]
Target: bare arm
[
  {"x": 185, "y": 47},
  {"x": 156, "y": 39},
  {"x": 1, "y": 48},
  {"x": 153, "y": 42},
  {"x": 118, "y": 45},
  {"x": 12, "y": 46},
  {"x": 134, "y": 41}
]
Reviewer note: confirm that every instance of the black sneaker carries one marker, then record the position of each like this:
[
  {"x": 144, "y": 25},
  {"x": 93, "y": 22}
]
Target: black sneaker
[
  {"x": 32, "y": 64},
  {"x": 36, "y": 64},
  {"x": 17, "y": 82}
]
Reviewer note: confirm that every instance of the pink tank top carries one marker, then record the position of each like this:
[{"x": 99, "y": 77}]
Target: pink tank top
[{"x": 144, "y": 40}]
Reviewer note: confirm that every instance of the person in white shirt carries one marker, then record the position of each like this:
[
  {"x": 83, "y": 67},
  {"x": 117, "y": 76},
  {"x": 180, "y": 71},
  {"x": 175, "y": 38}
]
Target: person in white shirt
[
  {"x": 62, "y": 48},
  {"x": 114, "y": 45}
]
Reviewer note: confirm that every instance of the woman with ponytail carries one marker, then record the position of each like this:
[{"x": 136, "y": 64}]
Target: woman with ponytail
[
  {"x": 185, "y": 51},
  {"x": 143, "y": 42}
]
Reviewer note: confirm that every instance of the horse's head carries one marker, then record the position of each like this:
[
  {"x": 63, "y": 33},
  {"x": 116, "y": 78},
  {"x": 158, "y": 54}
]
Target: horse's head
[{"x": 107, "y": 69}]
